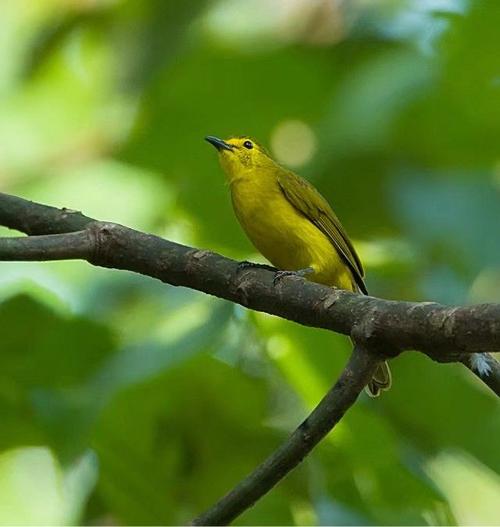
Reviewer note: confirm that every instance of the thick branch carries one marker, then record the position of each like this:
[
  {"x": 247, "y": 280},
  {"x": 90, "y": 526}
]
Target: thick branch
[
  {"x": 324, "y": 417},
  {"x": 444, "y": 333}
]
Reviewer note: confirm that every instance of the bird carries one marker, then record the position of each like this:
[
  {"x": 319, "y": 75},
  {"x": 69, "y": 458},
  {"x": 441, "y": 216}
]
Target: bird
[{"x": 291, "y": 224}]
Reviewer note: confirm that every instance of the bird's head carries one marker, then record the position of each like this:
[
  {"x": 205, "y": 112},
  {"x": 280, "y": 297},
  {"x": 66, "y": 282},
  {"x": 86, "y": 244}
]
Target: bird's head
[{"x": 239, "y": 155}]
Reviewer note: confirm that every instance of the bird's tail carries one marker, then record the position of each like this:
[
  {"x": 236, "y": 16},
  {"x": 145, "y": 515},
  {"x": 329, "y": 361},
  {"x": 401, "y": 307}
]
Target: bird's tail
[{"x": 381, "y": 380}]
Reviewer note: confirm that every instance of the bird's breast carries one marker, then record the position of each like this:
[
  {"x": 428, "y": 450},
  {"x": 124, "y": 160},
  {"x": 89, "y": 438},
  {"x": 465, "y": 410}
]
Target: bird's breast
[
  {"x": 264, "y": 213},
  {"x": 282, "y": 234}
]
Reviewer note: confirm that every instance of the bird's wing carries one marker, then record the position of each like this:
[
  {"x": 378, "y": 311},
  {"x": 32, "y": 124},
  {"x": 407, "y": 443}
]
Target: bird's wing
[{"x": 308, "y": 201}]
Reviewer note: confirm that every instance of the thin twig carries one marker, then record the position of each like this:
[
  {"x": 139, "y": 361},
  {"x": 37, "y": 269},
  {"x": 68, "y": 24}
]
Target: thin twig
[
  {"x": 71, "y": 246},
  {"x": 323, "y": 418}
]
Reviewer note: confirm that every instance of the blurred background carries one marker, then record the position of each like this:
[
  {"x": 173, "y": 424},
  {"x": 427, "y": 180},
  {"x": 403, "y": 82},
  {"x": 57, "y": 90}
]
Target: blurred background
[{"x": 124, "y": 401}]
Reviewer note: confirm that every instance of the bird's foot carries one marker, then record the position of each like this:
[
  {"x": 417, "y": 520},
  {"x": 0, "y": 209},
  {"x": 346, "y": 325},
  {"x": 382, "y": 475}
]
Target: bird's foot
[
  {"x": 279, "y": 275},
  {"x": 252, "y": 265}
]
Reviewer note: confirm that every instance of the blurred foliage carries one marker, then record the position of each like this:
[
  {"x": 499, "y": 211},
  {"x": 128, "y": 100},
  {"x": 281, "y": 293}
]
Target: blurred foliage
[{"x": 123, "y": 401}]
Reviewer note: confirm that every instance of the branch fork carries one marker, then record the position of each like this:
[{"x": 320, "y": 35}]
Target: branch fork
[{"x": 380, "y": 328}]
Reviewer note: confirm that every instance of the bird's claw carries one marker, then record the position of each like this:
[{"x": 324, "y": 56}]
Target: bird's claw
[
  {"x": 245, "y": 265},
  {"x": 279, "y": 275},
  {"x": 253, "y": 265}
]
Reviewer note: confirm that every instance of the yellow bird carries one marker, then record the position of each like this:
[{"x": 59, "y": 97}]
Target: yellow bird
[{"x": 291, "y": 224}]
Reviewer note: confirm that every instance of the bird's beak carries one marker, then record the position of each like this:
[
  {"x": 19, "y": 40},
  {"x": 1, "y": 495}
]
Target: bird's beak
[{"x": 218, "y": 143}]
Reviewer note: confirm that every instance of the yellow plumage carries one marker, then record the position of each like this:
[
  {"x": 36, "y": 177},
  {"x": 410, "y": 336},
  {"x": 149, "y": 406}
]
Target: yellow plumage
[
  {"x": 291, "y": 224},
  {"x": 283, "y": 235}
]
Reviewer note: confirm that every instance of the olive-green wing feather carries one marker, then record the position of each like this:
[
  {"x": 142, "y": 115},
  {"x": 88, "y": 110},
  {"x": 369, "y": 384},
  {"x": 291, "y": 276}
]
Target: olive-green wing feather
[{"x": 307, "y": 200}]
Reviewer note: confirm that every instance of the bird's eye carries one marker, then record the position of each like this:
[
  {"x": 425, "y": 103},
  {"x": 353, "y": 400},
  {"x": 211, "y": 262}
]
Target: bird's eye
[{"x": 248, "y": 144}]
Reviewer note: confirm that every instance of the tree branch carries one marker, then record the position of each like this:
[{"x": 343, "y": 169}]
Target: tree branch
[
  {"x": 444, "y": 333},
  {"x": 383, "y": 327},
  {"x": 323, "y": 418},
  {"x": 33, "y": 218},
  {"x": 387, "y": 327},
  {"x": 75, "y": 245}
]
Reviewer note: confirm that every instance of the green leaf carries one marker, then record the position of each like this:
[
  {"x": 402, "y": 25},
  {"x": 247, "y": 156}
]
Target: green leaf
[{"x": 36, "y": 490}]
